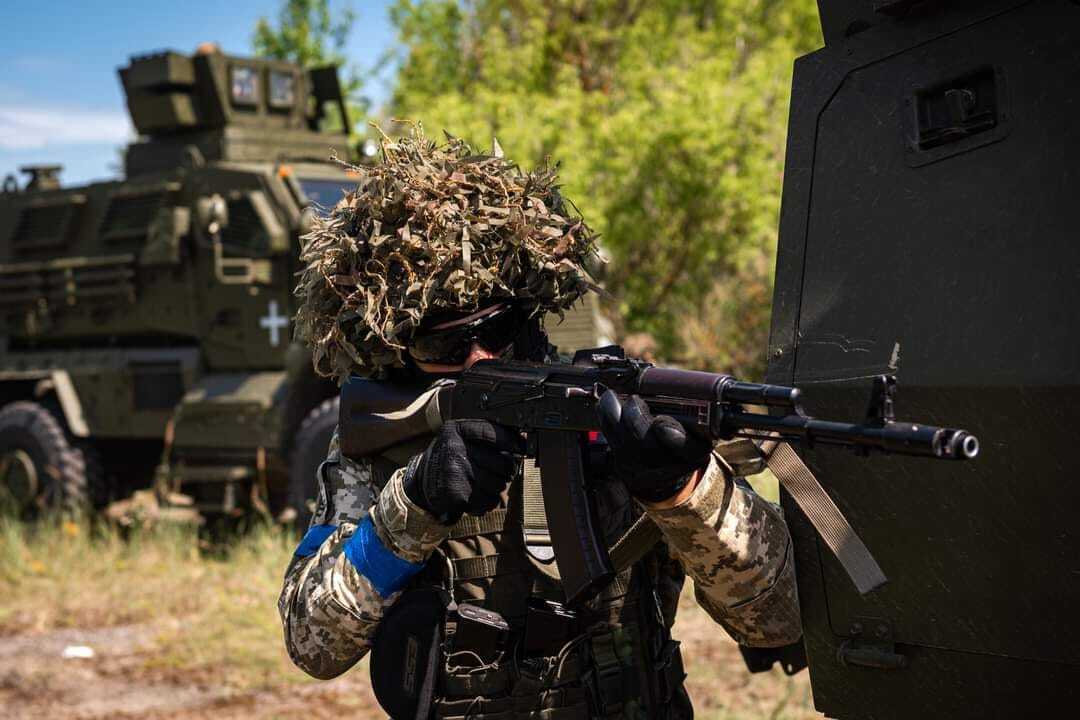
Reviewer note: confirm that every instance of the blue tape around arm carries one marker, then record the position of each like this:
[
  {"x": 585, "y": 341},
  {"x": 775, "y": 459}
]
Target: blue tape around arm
[
  {"x": 313, "y": 539},
  {"x": 386, "y": 571}
]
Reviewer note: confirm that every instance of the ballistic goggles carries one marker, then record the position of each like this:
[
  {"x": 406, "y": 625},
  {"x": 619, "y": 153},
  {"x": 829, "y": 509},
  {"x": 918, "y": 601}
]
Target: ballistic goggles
[{"x": 451, "y": 345}]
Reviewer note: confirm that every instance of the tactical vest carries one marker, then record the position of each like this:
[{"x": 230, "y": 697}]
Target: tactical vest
[{"x": 614, "y": 659}]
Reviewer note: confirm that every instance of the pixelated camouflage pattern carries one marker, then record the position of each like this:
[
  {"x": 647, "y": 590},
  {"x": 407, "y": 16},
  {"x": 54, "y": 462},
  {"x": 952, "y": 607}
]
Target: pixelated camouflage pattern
[
  {"x": 333, "y": 453},
  {"x": 408, "y": 531},
  {"x": 329, "y": 611},
  {"x": 736, "y": 547},
  {"x": 732, "y": 542},
  {"x": 347, "y": 488}
]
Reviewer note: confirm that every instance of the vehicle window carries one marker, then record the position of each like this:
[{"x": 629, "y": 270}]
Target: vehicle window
[
  {"x": 324, "y": 194},
  {"x": 245, "y": 235},
  {"x": 282, "y": 89},
  {"x": 245, "y": 87}
]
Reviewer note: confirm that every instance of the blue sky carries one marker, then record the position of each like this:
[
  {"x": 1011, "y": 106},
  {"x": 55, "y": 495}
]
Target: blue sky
[{"x": 60, "y": 97}]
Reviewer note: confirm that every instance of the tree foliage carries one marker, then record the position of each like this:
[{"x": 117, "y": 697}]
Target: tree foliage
[
  {"x": 668, "y": 118},
  {"x": 309, "y": 34}
]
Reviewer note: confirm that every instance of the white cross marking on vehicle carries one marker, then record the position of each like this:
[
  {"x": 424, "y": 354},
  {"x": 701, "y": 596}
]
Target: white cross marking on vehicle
[{"x": 274, "y": 323}]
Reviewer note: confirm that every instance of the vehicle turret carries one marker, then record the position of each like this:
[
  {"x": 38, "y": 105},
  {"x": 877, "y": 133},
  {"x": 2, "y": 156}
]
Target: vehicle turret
[{"x": 229, "y": 108}]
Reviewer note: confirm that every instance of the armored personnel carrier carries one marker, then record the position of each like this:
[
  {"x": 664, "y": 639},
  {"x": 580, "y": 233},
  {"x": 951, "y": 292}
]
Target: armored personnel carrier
[{"x": 145, "y": 322}]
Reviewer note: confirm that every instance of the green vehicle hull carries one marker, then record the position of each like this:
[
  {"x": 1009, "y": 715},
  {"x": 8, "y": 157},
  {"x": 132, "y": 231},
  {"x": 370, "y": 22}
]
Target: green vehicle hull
[{"x": 145, "y": 323}]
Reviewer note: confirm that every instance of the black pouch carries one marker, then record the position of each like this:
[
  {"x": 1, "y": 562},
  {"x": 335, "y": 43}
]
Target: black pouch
[
  {"x": 408, "y": 652},
  {"x": 484, "y": 632},
  {"x": 548, "y": 626}
]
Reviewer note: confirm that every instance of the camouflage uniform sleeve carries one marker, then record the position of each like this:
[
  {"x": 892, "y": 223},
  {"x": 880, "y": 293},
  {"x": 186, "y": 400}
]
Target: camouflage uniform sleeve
[
  {"x": 329, "y": 609},
  {"x": 736, "y": 547}
]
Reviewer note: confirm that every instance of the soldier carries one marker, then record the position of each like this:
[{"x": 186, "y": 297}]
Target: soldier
[{"x": 475, "y": 251}]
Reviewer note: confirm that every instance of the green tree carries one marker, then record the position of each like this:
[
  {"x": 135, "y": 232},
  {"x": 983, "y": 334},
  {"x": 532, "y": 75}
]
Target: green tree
[
  {"x": 669, "y": 120},
  {"x": 308, "y": 34}
]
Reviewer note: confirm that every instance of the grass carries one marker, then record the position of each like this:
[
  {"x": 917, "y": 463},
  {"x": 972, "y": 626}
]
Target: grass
[
  {"x": 211, "y": 612},
  {"x": 766, "y": 485},
  {"x": 717, "y": 679}
]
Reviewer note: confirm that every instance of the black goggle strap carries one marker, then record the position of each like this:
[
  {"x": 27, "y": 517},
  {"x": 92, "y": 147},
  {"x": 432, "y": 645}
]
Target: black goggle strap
[{"x": 498, "y": 331}]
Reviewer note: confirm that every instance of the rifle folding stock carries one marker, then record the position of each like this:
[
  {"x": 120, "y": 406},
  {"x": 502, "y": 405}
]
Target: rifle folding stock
[{"x": 554, "y": 404}]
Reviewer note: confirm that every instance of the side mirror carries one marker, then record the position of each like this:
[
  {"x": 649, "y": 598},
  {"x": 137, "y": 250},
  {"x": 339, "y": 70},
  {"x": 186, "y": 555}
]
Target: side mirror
[{"x": 212, "y": 213}]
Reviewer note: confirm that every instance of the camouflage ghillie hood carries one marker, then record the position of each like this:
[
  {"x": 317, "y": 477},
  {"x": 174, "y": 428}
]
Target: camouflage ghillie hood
[{"x": 433, "y": 228}]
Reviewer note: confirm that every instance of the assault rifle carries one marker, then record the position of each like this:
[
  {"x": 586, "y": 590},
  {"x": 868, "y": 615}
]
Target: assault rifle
[{"x": 555, "y": 404}]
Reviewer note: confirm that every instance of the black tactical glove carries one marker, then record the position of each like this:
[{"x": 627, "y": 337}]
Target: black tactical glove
[
  {"x": 464, "y": 469},
  {"x": 654, "y": 456}
]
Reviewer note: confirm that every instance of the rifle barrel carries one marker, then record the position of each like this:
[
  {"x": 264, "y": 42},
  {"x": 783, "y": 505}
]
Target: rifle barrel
[{"x": 897, "y": 437}]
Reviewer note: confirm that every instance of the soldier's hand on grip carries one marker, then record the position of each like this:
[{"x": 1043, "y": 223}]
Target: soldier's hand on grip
[
  {"x": 464, "y": 469},
  {"x": 654, "y": 456}
]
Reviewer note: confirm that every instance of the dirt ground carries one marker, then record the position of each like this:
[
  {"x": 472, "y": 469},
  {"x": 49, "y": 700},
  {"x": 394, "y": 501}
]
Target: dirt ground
[
  {"x": 721, "y": 686},
  {"x": 37, "y": 681},
  {"x": 154, "y": 625}
]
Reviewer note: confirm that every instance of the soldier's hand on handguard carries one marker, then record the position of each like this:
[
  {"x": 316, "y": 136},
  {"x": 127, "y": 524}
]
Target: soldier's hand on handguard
[
  {"x": 655, "y": 456},
  {"x": 464, "y": 469}
]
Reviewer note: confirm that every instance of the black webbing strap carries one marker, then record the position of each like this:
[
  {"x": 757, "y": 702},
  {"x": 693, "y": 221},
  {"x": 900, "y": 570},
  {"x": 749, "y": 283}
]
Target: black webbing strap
[{"x": 607, "y": 681}]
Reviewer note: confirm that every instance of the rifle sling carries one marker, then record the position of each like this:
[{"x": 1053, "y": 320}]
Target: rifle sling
[
  {"x": 805, "y": 490},
  {"x": 534, "y": 529},
  {"x": 534, "y": 525},
  {"x": 826, "y": 518}
]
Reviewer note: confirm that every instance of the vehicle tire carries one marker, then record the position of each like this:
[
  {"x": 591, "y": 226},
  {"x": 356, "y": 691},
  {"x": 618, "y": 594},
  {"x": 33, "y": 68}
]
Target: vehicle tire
[
  {"x": 308, "y": 451},
  {"x": 42, "y": 468}
]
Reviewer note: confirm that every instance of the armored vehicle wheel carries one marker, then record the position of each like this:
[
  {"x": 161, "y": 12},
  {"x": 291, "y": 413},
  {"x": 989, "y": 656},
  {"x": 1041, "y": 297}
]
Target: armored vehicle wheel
[
  {"x": 41, "y": 467},
  {"x": 309, "y": 450}
]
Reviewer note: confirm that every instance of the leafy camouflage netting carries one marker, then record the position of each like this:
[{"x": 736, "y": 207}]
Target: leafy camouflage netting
[{"x": 432, "y": 228}]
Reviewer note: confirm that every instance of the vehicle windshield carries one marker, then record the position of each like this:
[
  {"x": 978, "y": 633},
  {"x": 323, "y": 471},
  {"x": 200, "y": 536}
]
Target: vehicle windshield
[{"x": 324, "y": 194}]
